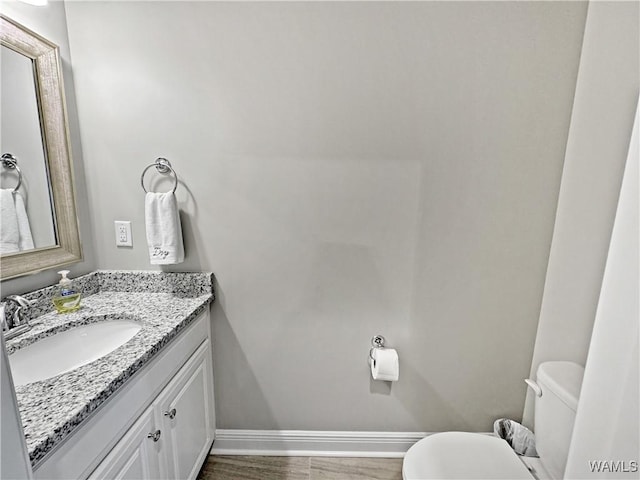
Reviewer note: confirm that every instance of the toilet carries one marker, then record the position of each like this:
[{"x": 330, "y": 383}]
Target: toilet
[{"x": 464, "y": 455}]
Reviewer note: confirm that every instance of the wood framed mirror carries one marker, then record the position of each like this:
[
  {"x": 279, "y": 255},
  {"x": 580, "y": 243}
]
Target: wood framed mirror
[{"x": 64, "y": 246}]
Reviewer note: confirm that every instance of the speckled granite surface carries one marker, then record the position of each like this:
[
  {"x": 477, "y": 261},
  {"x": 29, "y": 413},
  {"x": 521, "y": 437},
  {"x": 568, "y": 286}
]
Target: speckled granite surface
[{"x": 163, "y": 303}]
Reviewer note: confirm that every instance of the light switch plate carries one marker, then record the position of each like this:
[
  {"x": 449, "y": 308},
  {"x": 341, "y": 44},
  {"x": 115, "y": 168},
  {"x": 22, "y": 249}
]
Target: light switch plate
[{"x": 123, "y": 233}]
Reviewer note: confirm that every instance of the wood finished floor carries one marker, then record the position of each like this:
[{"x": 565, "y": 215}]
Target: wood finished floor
[{"x": 300, "y": 468}]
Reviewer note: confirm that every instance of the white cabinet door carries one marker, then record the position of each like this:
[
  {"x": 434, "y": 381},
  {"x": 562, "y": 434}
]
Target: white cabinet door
[
  {"x": 136, "y": 456},
  {"x": 172, "y": 438},
  {"x": 185, "y": 411}
]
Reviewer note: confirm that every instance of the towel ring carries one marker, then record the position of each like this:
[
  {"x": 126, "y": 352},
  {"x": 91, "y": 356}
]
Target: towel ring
[
  {"x": 11, "y": 162},
  {"x": 162, "y": 166}
]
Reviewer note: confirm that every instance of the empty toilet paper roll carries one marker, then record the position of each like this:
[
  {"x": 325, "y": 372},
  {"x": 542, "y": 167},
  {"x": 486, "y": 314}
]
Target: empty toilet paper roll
[{"x": 384, "y": 364}]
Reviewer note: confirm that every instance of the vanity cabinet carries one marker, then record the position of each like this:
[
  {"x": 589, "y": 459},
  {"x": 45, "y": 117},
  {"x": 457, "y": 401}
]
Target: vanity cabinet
[
  {"x": 172, "y": 437},
  {"x": 159, "y": 425},
  {"x": 135, "y": 457},
  {"x": 184, "y": 417}
]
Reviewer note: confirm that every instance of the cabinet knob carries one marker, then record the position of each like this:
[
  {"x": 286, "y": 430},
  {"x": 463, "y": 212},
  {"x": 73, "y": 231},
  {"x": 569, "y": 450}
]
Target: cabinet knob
[
  {"x": 170, "y": 413},
  {"x": 155, "y": 436}
]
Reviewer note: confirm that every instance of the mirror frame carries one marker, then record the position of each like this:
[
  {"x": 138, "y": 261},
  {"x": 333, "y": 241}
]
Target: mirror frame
[{"x": 54, "y": 128}]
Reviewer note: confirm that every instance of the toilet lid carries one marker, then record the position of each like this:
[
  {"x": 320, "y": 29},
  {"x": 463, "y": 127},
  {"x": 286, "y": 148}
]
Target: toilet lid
[{"x": 463, "y": 455}]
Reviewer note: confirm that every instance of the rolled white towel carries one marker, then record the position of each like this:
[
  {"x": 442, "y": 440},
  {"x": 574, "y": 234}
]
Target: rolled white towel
[{"x": 164, "y": 231}]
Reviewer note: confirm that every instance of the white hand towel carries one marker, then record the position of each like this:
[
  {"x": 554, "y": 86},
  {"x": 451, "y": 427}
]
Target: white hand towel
[
  {"x": 9, "y": 233},
  {"x": 26, "y": 240},
  {"x": 15, "y": 231},
  {"x": 164, "y": 232}
]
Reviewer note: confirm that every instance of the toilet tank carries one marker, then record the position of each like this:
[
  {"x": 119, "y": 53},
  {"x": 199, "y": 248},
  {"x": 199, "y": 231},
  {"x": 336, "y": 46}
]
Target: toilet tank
[{"x": 555, "y": 412}]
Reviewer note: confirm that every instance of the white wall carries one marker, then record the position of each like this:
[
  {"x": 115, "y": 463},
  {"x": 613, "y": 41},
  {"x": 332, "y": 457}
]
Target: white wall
[
  {"x": 607, "y": 419},
  {"x": 347, "y": 169},
  {"x": 50, "y": 22},
  {"x": 603, "y": 110}
]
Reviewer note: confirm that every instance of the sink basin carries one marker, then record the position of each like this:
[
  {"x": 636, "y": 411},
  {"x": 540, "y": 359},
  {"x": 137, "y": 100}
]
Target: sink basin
[{"x": 69, "y": 350}]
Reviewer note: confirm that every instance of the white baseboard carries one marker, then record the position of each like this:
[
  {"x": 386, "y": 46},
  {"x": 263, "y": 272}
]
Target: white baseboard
[{"x": 289, "y": 443}]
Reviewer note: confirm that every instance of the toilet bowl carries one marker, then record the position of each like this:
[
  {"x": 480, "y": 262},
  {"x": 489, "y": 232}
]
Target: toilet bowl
[{"x": 464, "y": 455}]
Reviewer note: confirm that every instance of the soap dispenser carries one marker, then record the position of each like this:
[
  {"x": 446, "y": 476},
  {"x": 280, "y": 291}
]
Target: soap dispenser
[{"x": 67, "y": 297}]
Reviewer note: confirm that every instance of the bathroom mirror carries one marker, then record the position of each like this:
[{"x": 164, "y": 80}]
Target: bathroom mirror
[{"x": 35, "y": 131}]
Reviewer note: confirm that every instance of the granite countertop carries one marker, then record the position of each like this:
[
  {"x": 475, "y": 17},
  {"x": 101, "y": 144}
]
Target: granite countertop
[{"x": 163, "y": 303}]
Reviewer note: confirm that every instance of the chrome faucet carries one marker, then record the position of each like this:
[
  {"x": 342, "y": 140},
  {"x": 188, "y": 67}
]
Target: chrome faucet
[{"x": 17, "y": 324}]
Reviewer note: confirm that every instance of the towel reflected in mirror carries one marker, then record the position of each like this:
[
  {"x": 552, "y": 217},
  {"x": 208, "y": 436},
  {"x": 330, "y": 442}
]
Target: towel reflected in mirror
[{"x": 15, "y": 232}]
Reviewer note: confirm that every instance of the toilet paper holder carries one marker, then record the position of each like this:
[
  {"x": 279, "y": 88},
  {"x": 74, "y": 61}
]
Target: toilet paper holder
[{"x": 377, "y": 341}]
